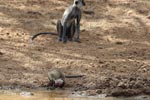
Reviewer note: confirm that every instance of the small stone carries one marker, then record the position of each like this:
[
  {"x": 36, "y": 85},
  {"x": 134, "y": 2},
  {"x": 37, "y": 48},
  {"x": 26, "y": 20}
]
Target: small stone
[
  {"x": 1, "y": 53},
  {"x": 119, "y": 42},
  {"x": 107, "y": 91},
  {"x": 99, "y": 91},
  {"x": 92, "y": 93},
  {"x": 26, "y": 94},
  {"x": 143, "y": 11},
  {"x": 148, "y": 17},
  {"x": 131, "y": 84},
  {"x": 102, "y": 95},
  {"x": 122, "y": 85},
  {"x": 132, "y": 78},
  {"x": 117, "y": 92},
  {"x": 138, "y": 84}
]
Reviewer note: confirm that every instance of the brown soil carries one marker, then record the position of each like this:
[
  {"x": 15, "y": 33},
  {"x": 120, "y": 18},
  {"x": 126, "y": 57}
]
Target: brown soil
[{"x": 114, "y": 52}]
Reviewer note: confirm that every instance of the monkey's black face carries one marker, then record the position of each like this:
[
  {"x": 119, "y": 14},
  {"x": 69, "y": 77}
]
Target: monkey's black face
[{"x": 79, "y": 3}]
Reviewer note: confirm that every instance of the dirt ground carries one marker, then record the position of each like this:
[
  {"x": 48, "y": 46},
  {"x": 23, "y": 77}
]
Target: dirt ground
[{"x": 114, "y": 53}]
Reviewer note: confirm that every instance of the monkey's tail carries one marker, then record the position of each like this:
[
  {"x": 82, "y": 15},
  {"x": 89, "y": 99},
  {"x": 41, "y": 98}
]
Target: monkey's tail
[
  {"x": 44, "y": 33},
  {"x": 74, "y": 76}
]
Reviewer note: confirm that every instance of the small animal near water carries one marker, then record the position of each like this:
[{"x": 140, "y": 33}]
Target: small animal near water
[
  {"x": 69, "y": 24},
  {"x": 57, "y": 78}
]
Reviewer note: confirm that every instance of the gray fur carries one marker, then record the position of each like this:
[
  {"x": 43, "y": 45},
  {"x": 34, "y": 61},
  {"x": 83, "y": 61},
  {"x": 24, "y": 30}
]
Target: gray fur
[
  {"x": 69, "y": 24},
  {"x": 71, "y": 14},
  {"x": 57, "y": 78}
]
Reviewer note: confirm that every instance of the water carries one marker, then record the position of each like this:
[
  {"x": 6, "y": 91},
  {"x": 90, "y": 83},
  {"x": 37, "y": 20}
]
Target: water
[{"x": 58, "y": 95}]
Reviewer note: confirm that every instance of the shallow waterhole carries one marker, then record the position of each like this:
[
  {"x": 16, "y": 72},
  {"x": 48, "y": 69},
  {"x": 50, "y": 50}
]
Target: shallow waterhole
[{"x": 58, "y": 95}]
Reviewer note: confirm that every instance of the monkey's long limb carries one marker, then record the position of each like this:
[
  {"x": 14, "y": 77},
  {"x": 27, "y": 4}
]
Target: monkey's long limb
[{"x": 44, "y": 33}]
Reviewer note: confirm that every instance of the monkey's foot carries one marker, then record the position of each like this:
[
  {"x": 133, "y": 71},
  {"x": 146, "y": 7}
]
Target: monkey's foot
[
  {"x": 64, "y": 40},
  {"x": 51, "y": 88},
  {"x": 70, "y": 39},
  {"x": 77, "y": 40}
]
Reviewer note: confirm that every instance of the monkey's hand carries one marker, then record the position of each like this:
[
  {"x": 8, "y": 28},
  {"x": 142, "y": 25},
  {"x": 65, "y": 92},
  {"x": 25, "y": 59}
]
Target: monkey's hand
[{"x": 51, "y": 88}]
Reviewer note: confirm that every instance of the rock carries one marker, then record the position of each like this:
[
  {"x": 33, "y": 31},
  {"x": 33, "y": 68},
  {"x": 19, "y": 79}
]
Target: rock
[
  {"x": 99, "y": 91},
  {"x": 138, "y": 84},
  {"x": 92, "y": 93},
  {"x": 116, "y": 92},
  {"x": 124, "y": 92},
  {"x": 139, "y": 78},
  {"x": 130, "y": 85},
  {"x": 147, "y": 91},
  {"x": 107, "y": 91},
  {"x": 132, "y": 78},
  {"x": 148, "y": 17},
  {"x": 114, "y": 83},
  {"x": 26, "y": 93},
  {"x": 122, "y": 85},
  {"x": 143, "y": 11}
]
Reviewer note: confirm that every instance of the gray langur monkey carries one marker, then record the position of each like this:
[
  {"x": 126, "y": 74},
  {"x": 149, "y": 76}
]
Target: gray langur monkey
[
  {"x": 69, "y": 24},
  {"x": 57, "y": 78}
]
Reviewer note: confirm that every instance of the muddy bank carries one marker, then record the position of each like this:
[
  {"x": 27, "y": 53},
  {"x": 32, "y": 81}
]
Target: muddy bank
[{"x": 61, "y": 95}]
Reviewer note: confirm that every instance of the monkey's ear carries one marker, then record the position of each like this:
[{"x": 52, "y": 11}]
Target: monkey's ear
[{"x": 76, "y": 2}]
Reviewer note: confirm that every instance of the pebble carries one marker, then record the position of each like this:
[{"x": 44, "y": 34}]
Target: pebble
[
  {"x": 122, "y": 85},
  {"x": 26, "y": 94}
]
